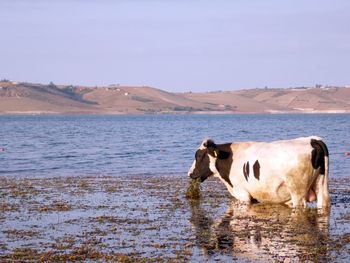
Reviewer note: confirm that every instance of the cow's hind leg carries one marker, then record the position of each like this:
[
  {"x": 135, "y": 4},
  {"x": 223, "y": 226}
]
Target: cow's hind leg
[
  {"x": 298, "y": 200},
  {"x": 298, "y": 188}
]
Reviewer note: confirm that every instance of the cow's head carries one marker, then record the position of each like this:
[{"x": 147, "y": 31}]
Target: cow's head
[{"x": 204, "y": 163}]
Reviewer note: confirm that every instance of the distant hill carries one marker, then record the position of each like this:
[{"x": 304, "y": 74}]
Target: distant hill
[
  {"x": 28, "y": 98},
  {"x": 303, "y": 100}
]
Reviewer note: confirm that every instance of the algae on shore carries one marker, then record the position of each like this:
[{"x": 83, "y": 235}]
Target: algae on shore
[
  {"x": 193, "y": 190},
  {"x": 154, "y": 219}
]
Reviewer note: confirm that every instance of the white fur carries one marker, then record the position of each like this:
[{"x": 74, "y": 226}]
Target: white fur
[
  {"x": 212, "y": 167},
  {"x": 190, "y": 171}
]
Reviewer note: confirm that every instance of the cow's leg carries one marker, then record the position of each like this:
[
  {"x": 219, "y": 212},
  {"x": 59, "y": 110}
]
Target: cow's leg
[
  {"x": 298, "y": 200},
  {"x": 299, "y": 180},
  {"x": 237, "y": 192},
  {"x": 298, "y": 190},
  {"x": 241, "y": 194},
  {"x": 289, "y": 203}
]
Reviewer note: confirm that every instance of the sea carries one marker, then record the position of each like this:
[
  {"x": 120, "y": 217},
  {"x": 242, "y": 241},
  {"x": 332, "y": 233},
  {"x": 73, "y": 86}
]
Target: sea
[
  {"x": 150, "y": 144},
  {"x": 113, "y": 188}
]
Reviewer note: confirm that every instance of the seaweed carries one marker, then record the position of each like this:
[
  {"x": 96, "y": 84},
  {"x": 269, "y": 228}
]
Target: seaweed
[{"x": 193, "y": 190}]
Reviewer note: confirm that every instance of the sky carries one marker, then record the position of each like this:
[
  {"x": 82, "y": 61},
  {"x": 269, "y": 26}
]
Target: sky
[{"x": 193, "y": 45}]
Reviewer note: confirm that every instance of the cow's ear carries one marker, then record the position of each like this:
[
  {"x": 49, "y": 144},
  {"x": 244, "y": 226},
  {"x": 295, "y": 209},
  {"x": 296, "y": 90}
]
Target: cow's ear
[{"x": 209, "y": 144}]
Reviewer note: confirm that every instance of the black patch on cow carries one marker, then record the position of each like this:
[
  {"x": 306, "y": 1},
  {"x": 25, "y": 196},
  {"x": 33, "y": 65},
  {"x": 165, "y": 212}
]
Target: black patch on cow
[
  {"x": 246, "y": 170},
  {"x": 256, "y": 169},
  {"x": 222, "y": 155},
  {"x": 224, "y": 161},
  {"x": 319, "y": 152}
]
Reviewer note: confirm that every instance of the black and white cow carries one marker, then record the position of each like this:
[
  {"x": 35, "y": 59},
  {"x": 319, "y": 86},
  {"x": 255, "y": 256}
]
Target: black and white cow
[{"x": 291, "y": 172}]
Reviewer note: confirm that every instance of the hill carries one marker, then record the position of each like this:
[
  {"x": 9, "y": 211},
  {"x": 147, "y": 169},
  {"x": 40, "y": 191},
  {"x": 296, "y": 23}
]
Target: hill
[
  {"x": 28, "y": 98},
  {"x": 302, "y": 100}
]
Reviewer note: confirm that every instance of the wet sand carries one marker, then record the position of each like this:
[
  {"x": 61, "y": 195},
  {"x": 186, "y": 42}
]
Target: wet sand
[{"x": 149, "y": 219}]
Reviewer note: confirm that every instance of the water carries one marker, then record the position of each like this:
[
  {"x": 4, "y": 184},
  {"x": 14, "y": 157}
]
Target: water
[
  {"x": 112, "y": 188},
  {"x": 151, "y": 144}
]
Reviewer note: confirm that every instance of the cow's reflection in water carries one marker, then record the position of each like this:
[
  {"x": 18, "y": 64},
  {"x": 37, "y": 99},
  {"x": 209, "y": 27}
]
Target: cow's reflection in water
[{"x": 262, "y": 232}]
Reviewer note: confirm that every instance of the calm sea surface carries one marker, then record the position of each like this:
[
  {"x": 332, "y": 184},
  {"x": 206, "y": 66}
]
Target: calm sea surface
[{"x": 148, "y": 145}]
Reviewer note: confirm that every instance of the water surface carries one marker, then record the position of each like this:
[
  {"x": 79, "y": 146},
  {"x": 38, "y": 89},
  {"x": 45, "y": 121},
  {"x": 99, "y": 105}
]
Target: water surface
[
  {"x": 113, "y": 188},
  {"x": 148, "y": 144}
]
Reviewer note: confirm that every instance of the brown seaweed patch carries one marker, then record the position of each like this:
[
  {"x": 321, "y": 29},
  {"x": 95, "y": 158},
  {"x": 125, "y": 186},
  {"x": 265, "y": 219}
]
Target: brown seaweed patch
[
  {"x": 66, "y": 243},
  {"x": 117, "y": 220},
  {"x": 5, "y": 207},
  {"x": 81, "y": 253},
  {"x": 21, "y": 233},
  {"x": 193, "y": 190},
  {"x": 55, "y": 206},
  {"x": 23, "y": 254}
]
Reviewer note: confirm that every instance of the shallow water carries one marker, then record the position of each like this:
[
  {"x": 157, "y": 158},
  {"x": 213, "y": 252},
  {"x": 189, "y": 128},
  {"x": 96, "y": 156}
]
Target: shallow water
[
  {"x": 148, "y": 218},
  {"x": 113, "y": 188}
]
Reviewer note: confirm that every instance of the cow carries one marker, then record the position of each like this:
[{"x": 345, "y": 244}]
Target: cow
[{"x": 291, "y": 172}]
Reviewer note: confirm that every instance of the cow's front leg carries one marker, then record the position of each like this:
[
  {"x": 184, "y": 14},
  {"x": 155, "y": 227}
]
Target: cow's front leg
[{"x": 241, "y": 195}]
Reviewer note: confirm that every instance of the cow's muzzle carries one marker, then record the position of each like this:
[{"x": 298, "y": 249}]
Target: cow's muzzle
[{"x": 193, "y": 175}]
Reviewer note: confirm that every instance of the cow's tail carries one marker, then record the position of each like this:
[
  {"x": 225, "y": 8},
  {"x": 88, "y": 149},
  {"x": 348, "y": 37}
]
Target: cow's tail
[
  {"x": 325, "y": 186},
  {"x": 320, "y": 161},
  {"x": 326, "y": 177}
]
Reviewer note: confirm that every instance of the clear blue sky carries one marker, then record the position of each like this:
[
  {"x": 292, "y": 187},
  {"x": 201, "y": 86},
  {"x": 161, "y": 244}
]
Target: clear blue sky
[{"x": 178, "y": 45}]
